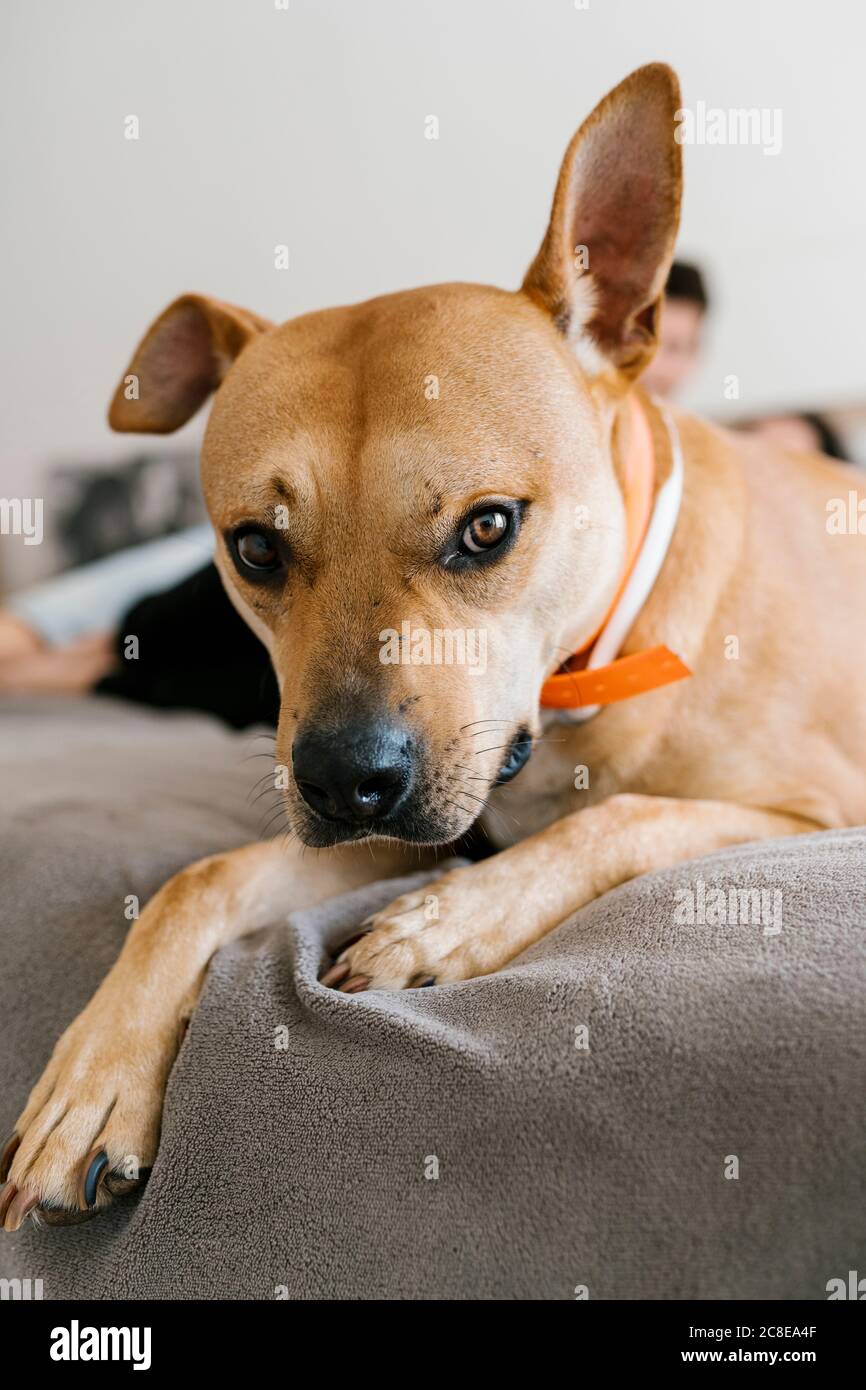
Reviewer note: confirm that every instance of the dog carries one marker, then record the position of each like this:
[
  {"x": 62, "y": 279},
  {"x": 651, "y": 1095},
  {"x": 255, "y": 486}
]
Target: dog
[{"x": 463, "y": 459}]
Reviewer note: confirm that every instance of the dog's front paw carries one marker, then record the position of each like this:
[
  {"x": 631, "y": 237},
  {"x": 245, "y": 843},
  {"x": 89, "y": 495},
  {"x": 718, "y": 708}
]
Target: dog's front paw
[
  {"x": 90, "y": 1129},
  {"x": 451, "y": 929}
]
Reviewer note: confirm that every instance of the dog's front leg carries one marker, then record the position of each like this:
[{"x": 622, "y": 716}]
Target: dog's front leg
[
  {"x": 473, "y": 920},
  {"x": 93, "y": 1119}
]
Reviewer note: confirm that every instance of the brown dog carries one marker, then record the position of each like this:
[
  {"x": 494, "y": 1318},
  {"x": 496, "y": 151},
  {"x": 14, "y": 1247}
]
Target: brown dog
[{"x": 419, "y": 459}]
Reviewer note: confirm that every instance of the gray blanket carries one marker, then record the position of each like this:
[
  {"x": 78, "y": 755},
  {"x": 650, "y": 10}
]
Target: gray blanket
[{"x": 650, "y": 1103}]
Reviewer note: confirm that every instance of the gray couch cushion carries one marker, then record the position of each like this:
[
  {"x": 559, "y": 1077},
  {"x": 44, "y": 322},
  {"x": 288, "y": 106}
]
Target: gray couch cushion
[{"x": 470, "y": 1141}]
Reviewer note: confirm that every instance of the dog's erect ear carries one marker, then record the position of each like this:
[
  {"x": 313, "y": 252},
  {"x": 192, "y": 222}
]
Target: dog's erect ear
[
  {"x": 601, "y": 268},
  {"x": 181, "y": 359}
]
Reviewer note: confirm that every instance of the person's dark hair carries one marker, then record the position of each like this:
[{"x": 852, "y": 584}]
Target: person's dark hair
[
  {"x": 829, "y": 441},
  {"x": 685, "y": 281}
]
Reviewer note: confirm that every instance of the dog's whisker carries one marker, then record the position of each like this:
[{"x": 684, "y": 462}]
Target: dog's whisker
[
  {"x": 265, "y": 791},
  {"x": 270, "y": 818},
  {"x": 271, "y": 812},
  {"x": 485, "y": 804},
  {"x": 479, "y": 825},
  {"x": 498, "y": 747},
  {"x": 278, "y": 813},
  {"x": 265, "y": 783},
  {"x": 486, "y": 809},
  {"x": 520, "y": 743},
  {"x": 467, "y": 811}
]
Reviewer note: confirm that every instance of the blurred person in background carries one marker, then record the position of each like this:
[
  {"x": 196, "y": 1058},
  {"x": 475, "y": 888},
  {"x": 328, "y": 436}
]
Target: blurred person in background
[
  {"x": 684, "y": 312},
  {"x": 70, "y": 635},
  {"x": 682, "y": 325},
  {"x": 61, "y": 634},
  {"x": 804, "y": 432}
]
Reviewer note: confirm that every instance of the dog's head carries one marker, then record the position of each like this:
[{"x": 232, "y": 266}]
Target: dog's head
[{"x": 416, "y": 499}]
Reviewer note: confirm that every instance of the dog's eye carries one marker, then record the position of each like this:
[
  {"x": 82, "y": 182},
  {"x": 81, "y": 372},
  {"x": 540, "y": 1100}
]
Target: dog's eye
[
  {"x": 255, "y": 551},
  {"x": 485, "y": 531}
]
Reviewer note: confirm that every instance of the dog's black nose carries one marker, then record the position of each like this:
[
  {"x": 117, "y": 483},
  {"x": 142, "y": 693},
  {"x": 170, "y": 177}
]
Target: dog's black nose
[{"x": 357, "y": 773}]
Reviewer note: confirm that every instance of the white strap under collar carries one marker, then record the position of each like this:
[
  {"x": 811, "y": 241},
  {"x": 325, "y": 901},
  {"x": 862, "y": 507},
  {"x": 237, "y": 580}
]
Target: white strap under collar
[{"x": 652, "y": 555}]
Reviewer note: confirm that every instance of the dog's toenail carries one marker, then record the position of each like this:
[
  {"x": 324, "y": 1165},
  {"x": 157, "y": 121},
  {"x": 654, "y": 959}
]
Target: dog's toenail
[
  {"x": 22, "y": 1204},
  {"x": 59, "y": 1216},
  {"x": 119, "y": 1186},
  {"x": 6, "y": 1196},
  {"x": 92, "y": 1168},
  {"x": 356, "y": 985},
  {"x": 10, "y": 1148},
  {"x": 336, "y": 973}
]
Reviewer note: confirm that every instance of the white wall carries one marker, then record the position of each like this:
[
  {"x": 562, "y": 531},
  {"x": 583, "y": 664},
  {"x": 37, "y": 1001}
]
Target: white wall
[{"x": 261, "y": 126}]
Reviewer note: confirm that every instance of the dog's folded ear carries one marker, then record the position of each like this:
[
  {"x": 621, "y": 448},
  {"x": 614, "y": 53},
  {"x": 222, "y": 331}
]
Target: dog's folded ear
[
  {"x": 181, "y": 359},
  {"x": 601, "y": 269}
]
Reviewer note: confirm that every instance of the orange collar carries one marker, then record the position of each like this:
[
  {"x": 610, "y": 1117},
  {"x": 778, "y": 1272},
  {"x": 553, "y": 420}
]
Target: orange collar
[{"x": 588, "y": 680}]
